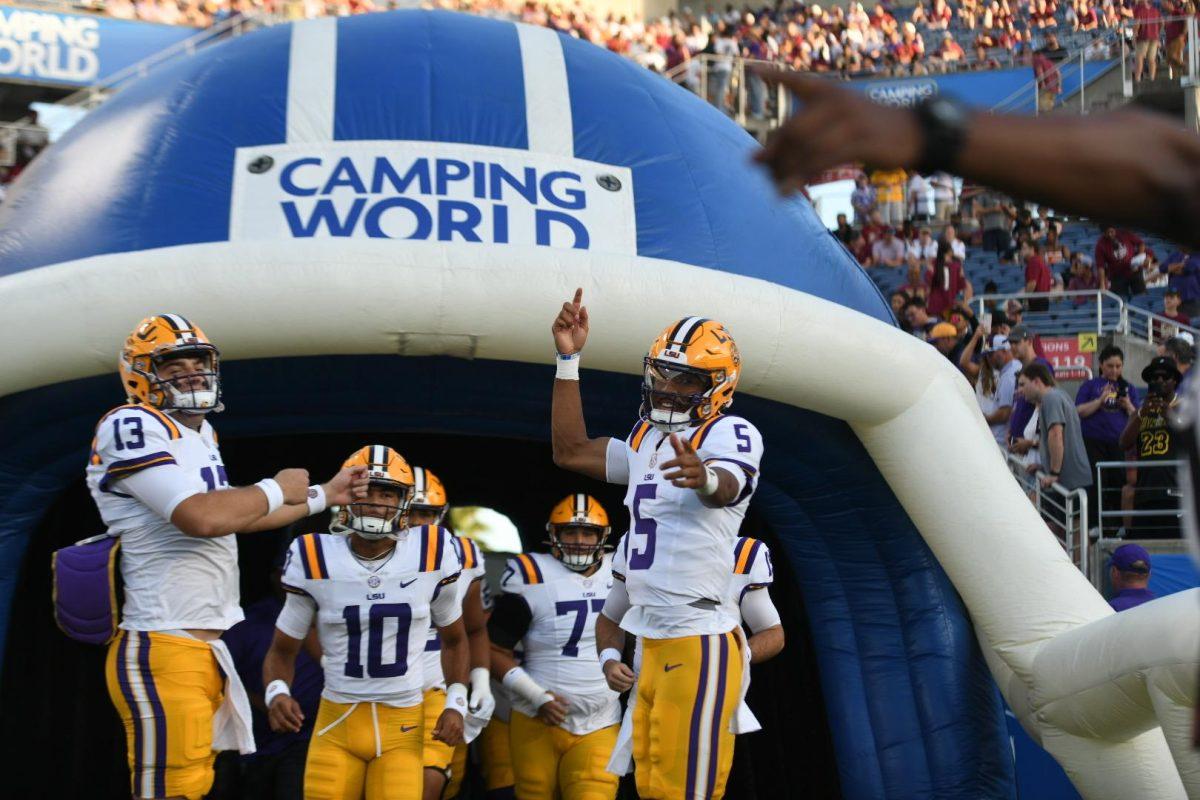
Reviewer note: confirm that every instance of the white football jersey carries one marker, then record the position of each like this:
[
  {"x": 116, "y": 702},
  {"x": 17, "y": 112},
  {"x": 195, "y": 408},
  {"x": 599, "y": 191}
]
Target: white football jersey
[
  {"x": 560, "y": 644},
  {"x": 752, "y": 570},
  {"x": 172, "y": 580},
  {"x": 373, "y": 624},
  {"x": 473, "y": 569},
  {"x": 679, "y": 552}
]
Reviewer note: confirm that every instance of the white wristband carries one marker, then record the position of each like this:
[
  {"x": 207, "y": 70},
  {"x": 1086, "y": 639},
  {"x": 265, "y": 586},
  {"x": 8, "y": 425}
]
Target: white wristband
[
  {"x": 518, "y": 682},
  {"x": 456, "y": 698},
  {"x": 316, "y": 499},
  {"x": 274, "y": 494},
  {"x": 609, "y": 654},
  {"x": 274, "y": 689},
  {"x": 568, "y": 367},
  {"x": 711, "y": 483}
]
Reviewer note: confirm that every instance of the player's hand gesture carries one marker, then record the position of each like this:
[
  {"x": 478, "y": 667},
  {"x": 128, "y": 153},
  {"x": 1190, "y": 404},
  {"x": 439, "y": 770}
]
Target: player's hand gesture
[
  {"x": 553, "y": 712},
  {"x": 689, "y": 472},
  {"x": 449, "y": 728},
  {"x": 348, "y": 486},
  {"x": 834, "y": 126},
  {"x": 570, "y": 327},
  {"x": 294, "y": 483},
  {"x": 618, "y": 675},
  {"x": 285, "y": 715}
]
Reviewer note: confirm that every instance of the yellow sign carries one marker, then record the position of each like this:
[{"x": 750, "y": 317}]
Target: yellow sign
[{"x": 1087, "y": 342}]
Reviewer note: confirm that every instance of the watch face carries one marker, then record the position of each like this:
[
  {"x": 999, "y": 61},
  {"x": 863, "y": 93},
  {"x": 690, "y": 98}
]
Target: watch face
[{"x": 947, "y": 112}]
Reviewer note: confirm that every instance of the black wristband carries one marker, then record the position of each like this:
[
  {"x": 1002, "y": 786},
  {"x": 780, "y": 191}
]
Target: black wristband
[{"x": 943, "y": 124}]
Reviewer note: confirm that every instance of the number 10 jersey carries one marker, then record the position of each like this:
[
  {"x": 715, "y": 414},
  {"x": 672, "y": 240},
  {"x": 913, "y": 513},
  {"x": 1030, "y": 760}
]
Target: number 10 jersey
[
  {"x": 679, "y": 552},
  {"x": 373, "y": 623}
]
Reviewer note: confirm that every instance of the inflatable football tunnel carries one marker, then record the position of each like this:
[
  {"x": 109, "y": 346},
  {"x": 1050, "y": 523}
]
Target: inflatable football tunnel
[{"x": 376, "y": 218}]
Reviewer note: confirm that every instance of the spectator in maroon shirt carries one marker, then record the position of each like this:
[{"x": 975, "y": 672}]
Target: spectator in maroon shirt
[
  {"x": 916, "y": 286},
  {"x": 1176, "y": 31},
  {"x": 1171, "y": 303},
  {"x": 1049, "y": 82},
  {"x": 859, "y": 247},
  {"x": 1115, "y": 250},
  {"x": 873, "y": 230},
  {"x": 946, "y": 283},
  {"x": 1037, "y": 275},
  {"x": 1149, "y": 25}
]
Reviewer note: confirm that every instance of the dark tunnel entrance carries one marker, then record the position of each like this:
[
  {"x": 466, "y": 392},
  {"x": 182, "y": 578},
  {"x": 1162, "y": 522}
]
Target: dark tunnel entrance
[{"x": 53, "y": 692}]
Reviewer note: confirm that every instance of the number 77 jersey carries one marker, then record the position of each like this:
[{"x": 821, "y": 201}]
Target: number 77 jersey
[{"x": 679, "y": 552}]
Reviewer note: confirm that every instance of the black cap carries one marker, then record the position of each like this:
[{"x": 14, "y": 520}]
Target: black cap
[
  {"x": 1161, "y": 365},
  {"x": 1019, "y": 333}
]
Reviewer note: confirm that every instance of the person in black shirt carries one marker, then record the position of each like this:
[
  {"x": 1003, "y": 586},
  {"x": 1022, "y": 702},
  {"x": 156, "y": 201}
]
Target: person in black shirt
[{"x": 1151, "y": 433}]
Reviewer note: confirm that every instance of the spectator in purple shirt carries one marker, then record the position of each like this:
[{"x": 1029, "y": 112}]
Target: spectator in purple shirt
[
  {"x": 1104, "y": 404},
  {"x": 1020, "y": 339},
  {"x": 276, "y": 768},
  {"x": 1183, "y": 274},
  {"x": 1129, "y": 571}
]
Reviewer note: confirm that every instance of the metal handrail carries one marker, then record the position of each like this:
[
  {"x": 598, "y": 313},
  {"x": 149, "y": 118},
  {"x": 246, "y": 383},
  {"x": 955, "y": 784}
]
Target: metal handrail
[
  {"x": 1100, "y": 296},
  {"x": 1101, "y": 514},
  {"x": 1072, "y": 503}
]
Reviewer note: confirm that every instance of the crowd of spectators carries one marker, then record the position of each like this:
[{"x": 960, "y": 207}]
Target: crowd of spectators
[
  {"x": 18, "y": 146},
  {"x": 930, "y": 37}
]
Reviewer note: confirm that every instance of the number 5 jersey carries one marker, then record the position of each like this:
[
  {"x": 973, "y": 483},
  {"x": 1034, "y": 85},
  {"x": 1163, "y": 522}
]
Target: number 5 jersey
[
  {"x": 679, "y": 552},
  {"x": 373, "y": 623}
]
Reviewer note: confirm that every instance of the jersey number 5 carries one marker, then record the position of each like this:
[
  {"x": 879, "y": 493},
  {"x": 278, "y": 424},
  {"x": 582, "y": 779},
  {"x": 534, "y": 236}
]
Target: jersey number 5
[
  {"x": 580, "y": 609},
  {"x": 376, "y": 618},
  {"x": 642, "y": 558}
]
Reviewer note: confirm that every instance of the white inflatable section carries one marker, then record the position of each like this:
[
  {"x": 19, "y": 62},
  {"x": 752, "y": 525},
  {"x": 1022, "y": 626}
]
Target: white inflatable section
[{"x": 1092, "y": 687}]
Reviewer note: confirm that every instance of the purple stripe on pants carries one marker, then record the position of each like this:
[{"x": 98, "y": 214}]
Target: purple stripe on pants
[
  {"x": 160, "y": 717},
  {"x": 694, "y": 734},
  {"x": 127, "y": 693},
  {"x": 716, "y": 721}
]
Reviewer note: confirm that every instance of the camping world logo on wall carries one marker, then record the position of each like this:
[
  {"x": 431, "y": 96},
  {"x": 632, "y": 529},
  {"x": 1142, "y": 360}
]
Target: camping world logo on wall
[
  {"x": 905, "y": 94},
  {"x": 431, "y": 191}
]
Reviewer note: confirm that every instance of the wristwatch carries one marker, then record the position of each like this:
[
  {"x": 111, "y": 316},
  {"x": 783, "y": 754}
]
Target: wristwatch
[{"x": 943, "y": 122}]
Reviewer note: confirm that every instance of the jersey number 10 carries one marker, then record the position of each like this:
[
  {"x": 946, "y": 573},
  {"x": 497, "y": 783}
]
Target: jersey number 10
[{"x": 378, "y": 615}]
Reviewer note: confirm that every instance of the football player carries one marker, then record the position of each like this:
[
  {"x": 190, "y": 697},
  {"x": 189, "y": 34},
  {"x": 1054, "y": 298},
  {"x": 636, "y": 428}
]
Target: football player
[
  {"x": 690, "y": 469},
  {"x": 374, "y": 595},
  {"x": 157, "y": 477},
  {"x": 445, "y": 766},
  {"x": 753, "y": 572},
  {"x": 564, "y": 717}
]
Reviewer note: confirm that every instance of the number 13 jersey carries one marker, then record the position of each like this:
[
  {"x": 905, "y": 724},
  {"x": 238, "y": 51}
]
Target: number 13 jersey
[
  {"x": 679, "y": 552},
  {"x": 373, "y": 623}
]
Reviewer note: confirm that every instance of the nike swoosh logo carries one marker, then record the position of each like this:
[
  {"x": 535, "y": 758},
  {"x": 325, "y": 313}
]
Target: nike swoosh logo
[
  {"x": 669, "y": 667},
  {"x": 410, "y": 583},
  {"x": 407, "y": 728}
]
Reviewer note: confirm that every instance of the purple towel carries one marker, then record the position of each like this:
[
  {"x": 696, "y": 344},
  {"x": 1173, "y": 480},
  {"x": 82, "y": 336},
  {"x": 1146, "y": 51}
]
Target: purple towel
[{"x": 85, "y": 589}]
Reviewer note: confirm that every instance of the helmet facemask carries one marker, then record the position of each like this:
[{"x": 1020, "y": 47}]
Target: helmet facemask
[
  {"x": 377, "y": 518},
  {"x": 674, "y": 411},
  {"x": 437, "y": 512},
  {"x": 194, "y": 392},
  {"x": 577, "y": 557}
]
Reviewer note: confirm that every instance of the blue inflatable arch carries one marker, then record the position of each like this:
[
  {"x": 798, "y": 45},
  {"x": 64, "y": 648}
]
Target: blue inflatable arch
[{"x": 325, "y": 196}]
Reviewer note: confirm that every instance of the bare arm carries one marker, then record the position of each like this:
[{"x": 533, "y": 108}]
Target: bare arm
[
  {"x": 279, "y": 664},
  {"x": 572, "y": 448},
  {"x": 1090, "y": 407},
  {"x": 1069, "y": 163},
  {"x": 609, "y": 635},
  {"x": 687, "y": 471},
  {"x": 1129, "y": 436},
  {"x": 765, "y": 644},
  {"x": 346, "y": 486},
  {"x": 455, "y": 658},
  {"x": 1002, "y": 414},
  {"x": 212, "y": 514},
  {"x": 1054, "y": 444}
]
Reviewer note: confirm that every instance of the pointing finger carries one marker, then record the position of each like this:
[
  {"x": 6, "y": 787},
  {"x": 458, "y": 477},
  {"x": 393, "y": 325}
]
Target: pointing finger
[
  {"x": 676, "y": 444},
  {"x": 578, "y": 297}
]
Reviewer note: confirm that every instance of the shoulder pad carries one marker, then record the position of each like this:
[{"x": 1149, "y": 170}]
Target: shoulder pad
[
  {"x": 635, "y": 437},
  {"x": 433, "y": 547},
  {"x": 311, "y": 552},
  {"x": 167, "y": 424},
  {"x": 526, "y": 570},
  {"x": 744, "y": 553}
]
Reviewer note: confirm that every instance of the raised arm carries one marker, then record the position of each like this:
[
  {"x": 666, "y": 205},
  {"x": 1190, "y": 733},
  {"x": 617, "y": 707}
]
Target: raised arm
[
  {"x": 573, "y": 449},
  {"x": 346, "y": 486},
  {"x": 1070, "y": 163}
]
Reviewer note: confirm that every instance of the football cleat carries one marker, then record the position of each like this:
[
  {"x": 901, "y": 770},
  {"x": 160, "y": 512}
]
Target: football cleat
[
  {"x": 689, "y": 374},
  {"x": 372, "y": 519},
  {"x": 154, "y": 342},
  {"x": 578, "y": 511}
]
